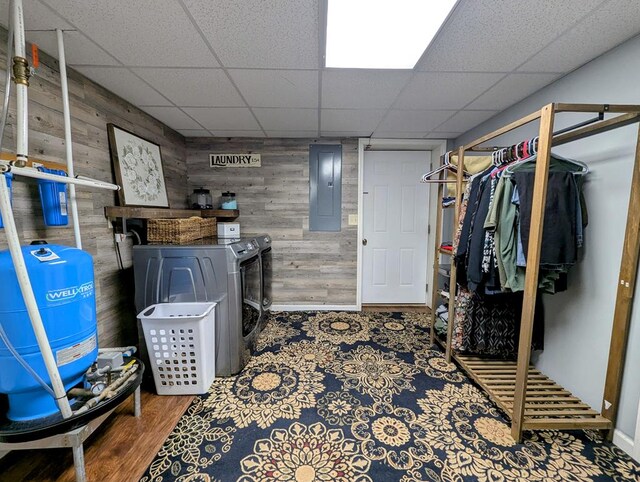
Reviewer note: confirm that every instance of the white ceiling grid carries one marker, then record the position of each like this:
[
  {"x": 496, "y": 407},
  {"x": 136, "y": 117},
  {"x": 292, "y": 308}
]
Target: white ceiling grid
[{"x": 254, "y": 68}]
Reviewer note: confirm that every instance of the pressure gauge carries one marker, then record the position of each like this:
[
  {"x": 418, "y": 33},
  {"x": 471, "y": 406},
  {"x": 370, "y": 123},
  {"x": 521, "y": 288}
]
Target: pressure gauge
[{"x": 97, "y": 388}]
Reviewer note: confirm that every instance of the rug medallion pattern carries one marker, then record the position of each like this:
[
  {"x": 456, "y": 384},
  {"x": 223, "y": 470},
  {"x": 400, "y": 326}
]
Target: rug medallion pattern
[{"x": 357, "y": 397}]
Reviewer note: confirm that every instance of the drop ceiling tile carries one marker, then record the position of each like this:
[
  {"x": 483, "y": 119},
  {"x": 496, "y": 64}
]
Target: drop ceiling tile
[
  {"x": 287, "y": 119},
  {"x": 364, "y": 89},
  {"x": 78, "y": 49},
  {"x": 139, "y": 33},
  {"x": 512, "y": 89},
  {"x": 36, "y": 16},
  {"x": 465, "y": 120},
  {"x": 589, "y": 39},
  {"x": 337, "y": 134},
  {"x": 194, "y": 132},
  {"x": 278, "y": 88},
  {"x": 260, "y": 33},
  {"x": 415, "y": 121},
  {"x": 363, "y": 120},
  {"x": 124, "y": 84},
  {"x": 437, "y": 90},
  {"x": 490, "y": 36},
  {"x": 443, "y": 135},
  {"x": 237, "y": 133},
  {"x": 173, "y": 117},
  {"x": 223, "y": 118},
  {"x": 292, "y": 134},
  {"x": 397, "y": 135},
  {"x": 193, "y": 87}
]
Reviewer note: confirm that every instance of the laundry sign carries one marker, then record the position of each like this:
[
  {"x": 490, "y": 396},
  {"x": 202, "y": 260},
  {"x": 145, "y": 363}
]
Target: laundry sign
[{"x": 235, "y": 160}]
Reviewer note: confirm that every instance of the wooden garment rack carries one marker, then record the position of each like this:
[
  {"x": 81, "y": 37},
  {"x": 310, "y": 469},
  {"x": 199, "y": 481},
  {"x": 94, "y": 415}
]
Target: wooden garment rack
[{"x": 531, "y": 399}]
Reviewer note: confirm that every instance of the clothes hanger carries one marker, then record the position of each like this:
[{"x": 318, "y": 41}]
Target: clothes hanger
[
  {"x": 446, "y": 164},
  {"x": 532, "y": 149}
]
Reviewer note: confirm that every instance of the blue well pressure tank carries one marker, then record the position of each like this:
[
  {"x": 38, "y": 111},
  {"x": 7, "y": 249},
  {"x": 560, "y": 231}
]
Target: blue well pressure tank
[{"x": 62, "y": 280}]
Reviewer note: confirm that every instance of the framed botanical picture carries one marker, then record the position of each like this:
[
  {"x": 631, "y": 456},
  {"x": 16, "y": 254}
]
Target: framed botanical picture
[{"x": 138, "y": 168}]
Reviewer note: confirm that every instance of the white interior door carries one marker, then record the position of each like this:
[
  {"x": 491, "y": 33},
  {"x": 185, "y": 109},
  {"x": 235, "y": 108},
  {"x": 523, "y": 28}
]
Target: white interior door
[{"x": 395, "y": 219}]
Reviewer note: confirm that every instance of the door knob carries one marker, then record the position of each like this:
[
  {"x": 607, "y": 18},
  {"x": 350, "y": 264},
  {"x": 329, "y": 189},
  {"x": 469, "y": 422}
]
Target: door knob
[{"x": 364, "y": 241}]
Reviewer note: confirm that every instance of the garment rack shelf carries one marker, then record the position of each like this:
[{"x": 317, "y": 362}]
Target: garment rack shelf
[
  {"x": 545, "y": 398},
  {"x": 548, "y": 404},
  {"x": 530, "y": 399}
]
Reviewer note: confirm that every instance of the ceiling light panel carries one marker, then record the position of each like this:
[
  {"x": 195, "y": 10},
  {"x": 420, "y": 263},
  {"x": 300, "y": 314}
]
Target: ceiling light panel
[{"x": 381, "y": 34}]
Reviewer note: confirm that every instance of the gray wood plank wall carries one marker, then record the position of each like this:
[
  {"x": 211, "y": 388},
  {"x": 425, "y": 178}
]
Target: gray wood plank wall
[
  {"x": 309, "y": 267},
  {"x": 92, "y": 107}
]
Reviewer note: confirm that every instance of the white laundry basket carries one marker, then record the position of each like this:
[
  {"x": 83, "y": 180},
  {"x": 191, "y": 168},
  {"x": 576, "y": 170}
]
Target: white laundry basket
[{"x": 180, "y": 339}]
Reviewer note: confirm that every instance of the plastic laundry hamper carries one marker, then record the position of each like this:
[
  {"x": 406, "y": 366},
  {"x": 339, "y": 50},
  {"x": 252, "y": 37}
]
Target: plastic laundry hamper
[{"x": 180, "y": 339}]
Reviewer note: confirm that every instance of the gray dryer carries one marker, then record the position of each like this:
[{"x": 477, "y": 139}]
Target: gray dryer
[{"x": 227, "y": 272}]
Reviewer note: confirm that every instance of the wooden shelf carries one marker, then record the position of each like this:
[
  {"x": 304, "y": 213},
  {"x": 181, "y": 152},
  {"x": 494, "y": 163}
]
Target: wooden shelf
[
  {"x": 547, "y": 403},
  {"x": 220, "y": 213},
  {"x": 444, "y": 294},
  {"x": 114, "y": 212}
]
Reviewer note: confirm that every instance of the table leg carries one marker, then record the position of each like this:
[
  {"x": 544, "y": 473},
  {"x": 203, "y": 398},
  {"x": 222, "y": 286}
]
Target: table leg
[
  {"x": 78, "y": 461},
  {"x": 137, "y": 408}
]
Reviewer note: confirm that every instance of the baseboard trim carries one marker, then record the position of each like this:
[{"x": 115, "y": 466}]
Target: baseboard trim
[
  {"x": 624, "y": 442},
  {"x": 314, "y": 308}
]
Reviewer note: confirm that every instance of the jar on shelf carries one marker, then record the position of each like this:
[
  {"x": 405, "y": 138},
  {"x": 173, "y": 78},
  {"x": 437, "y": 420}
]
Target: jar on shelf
[
  {"x": 228, "y": 200},
  {"x": 201, "y": 199}
]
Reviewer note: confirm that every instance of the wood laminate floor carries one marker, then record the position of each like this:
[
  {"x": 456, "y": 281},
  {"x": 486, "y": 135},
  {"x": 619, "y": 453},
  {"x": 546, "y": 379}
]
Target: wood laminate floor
[{"x": 119, "y": 451}]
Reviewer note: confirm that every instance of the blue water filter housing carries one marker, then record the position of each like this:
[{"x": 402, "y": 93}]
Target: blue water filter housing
[
  {"x": 63, "y": 283},
  {"x": 53, "y": 198}
]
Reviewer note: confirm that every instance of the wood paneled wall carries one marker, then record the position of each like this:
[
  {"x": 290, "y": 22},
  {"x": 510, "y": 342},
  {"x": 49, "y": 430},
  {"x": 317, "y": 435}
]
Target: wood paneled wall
[
  {"x": 309, "y": 267},
  {"x": 92, "y": 107}
]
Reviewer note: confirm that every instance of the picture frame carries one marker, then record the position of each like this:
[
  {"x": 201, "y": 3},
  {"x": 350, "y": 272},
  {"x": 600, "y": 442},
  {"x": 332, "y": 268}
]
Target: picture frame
[{"x": 137, "y": 164}]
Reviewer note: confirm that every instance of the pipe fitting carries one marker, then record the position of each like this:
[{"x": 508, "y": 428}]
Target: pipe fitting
[{"x": 21, "y": 71}]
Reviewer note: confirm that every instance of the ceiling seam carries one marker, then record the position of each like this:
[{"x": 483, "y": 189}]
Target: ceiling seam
[
  {"x": 323, "y": 7},
  {"x": 515, "y": 70},
  {"x": 414, "y": 71},
  {"x": 223, "y": 67},
  {"x": 121, "y": 65},
  {"x": 563, "y": 33}
]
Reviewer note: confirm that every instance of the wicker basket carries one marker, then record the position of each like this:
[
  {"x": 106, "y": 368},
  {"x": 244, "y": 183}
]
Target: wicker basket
[
  {"x": 208, "y": 227},
  {"x": 174, "y": 231}
]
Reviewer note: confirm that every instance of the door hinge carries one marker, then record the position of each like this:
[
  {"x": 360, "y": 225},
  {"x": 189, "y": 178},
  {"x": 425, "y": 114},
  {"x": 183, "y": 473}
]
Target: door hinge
[
  {"x": 428, "y": 229},
  {"x": 427, "y": 289}
]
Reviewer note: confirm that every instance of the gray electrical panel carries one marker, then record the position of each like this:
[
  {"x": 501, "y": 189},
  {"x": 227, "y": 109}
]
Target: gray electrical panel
[{"x": 325, "y": 187}]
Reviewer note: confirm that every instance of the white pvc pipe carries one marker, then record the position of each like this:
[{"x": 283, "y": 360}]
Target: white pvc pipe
[
  {"x": 22, "y": 110},
  {"x": 7, "y": 81},
  {"x": 34, "y": 173},
  {"x": 30, "y": 300},
  {"x": 75, "y": 220}
]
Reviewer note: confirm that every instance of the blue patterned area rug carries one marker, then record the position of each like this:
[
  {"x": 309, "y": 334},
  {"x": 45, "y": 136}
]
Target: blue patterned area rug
[{"x": 361, "y": 397}]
